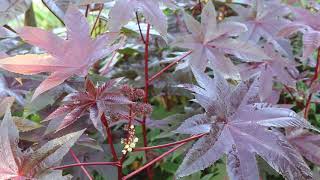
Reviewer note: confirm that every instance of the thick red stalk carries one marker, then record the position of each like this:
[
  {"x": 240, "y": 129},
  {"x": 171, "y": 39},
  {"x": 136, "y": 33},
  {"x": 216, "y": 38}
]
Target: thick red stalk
[
  {"x": 314, "y": 78},
  {"x": 86, "y": 164},
  {"x": 169, "y": 144},
  {"x": 109, "y": 134},
  {"x": 146, "y": 91},
  {"x": 110, "y": 141},
  {"x": 146, "y": 166},
  {"x": 146, "y": 65},
  {"x": 78, "y": 161},
  {"x": 170, "y": 65},
  {"x": 307, "y": 108}
]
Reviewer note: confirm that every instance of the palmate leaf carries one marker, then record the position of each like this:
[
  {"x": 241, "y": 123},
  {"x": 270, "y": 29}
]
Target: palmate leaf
[
  {"x": 236, "y": 123},
  {"x": 73, "y": 56},
  {"x": 307, "y": 23},
  {"x": 210, "y": 41},
  {"x": 96, "y": 101},
  {"x": 264, "y": 19},
  {"x": 277, "y": 69},
  {"x": 31, "y": 163},
  {"x": 149, "y": 8}
]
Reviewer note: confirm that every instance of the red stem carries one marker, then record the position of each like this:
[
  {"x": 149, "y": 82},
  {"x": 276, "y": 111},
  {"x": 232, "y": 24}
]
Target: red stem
[
  {"x": 110, "y": 141},
  {"x": 306, "y": 110},
  {"x": 169, "y": 144},
  {"x": 146, "y": 166},
  {"x": 315, "y": 77},
  {"x": 86, "y": 164},
  {"x": 78, "y": 161},
  {"x": 146, "y": 65},
  {"x": 146, "y": 91},
  {"x": 170, "y": 65},
  {"x": 97, "y": 19},
  {"x": 109, "y": 134}
]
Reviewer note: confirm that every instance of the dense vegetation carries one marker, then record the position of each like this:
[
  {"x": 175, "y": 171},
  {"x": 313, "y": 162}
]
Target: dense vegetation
[{"x": 159, "y": 89}]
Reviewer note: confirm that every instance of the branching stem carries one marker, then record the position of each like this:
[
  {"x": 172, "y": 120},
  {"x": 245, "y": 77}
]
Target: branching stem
[
  {"x": 85, "y": 171},
  {"x": 146, "y": 92},
  {"x": 146, "y": 166},
  {"x": 169, "y": 144},
  {"x": 86, "y": 164},
  {"x": 169, "y": 66},
  {"x": 110, "y": 141}
]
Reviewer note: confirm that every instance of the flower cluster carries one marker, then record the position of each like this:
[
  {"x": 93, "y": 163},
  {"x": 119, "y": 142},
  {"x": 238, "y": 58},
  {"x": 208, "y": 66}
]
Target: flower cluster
[
  {"x": 245, "y": 63},
  {"x": 131, "y": 140},
  {"x": 138, "y": 108},
  {"x": 132, "y": 93},
  {"x": 141, "y": 109}
]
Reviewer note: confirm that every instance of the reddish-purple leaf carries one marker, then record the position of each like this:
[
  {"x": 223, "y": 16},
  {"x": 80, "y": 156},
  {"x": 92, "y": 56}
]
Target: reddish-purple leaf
[
  {"x": 307, "y": 23},
  {"x": 67, "y": 57},
  {"x": 31, "y": 163},
  {"x": 278, "y": 68},
  {"x": 95, "y": 100},
  {"x": 238, "y": 130},
  {"x": 149, "y": 8},
  {"x": 264, "y": 19},
  {"x": 210, "y": 41}
]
